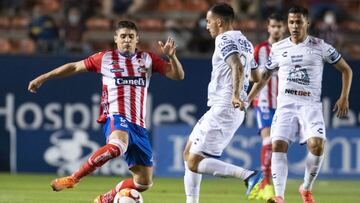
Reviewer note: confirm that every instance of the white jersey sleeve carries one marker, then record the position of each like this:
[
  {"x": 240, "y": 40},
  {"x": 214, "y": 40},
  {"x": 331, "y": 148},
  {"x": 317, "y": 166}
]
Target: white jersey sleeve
[
  {"x": 330, "y": 54},
  {"x": 227, "y": 46},
  {"x": 273, "y": 60}
]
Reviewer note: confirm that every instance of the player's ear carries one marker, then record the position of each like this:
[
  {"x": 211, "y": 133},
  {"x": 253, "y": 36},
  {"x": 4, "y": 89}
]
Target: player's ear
[
  {"x": 137, "y": 39},
  {"x": 218, "y": 21}
]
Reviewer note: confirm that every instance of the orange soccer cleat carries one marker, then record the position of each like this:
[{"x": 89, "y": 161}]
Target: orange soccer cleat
[
  {"x": 306, "y": 195},
  {"x": 276, "y": 199},
  {"x": 59, "y": 184}
]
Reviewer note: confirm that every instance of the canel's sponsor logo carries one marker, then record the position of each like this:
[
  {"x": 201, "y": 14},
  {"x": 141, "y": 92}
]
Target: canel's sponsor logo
[
  {"x": 134, "y": 81},
  {"x": 297, "y": 92}
]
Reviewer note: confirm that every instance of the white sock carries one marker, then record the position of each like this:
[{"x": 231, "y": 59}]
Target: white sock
[
  {"x": 312, "y": 168},
  {"x": 279, "y": 172},
  {"x": 192, "y": 183},
  {"x": 216, "y": 167}
]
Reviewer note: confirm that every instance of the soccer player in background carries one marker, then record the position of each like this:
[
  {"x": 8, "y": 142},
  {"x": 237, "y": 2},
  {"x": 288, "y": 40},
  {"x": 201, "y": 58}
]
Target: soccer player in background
[
  {"x": 299, "y": 60},
  {"x": 265, "y": 102},
  {"x": 126, "y": 73},
  {"x": 232, "y": 64}
]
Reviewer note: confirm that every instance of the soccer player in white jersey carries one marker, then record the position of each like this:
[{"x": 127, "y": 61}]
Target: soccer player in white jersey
[
  {"x": 299, "y": 60},
  {"x": 265, "y": 102},
  {"x": 232, "y": 64},
  {"x": 126, "y": 72}
]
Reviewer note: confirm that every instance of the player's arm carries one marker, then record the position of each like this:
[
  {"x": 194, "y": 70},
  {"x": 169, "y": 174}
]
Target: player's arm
[
  {"x": 342, "y": 104},
  {"x": 260, "y": 78},
  {"x": 237, "y": 70},
  {"x": 60, "y": 72},
  {"x": 175, "y": 70}
]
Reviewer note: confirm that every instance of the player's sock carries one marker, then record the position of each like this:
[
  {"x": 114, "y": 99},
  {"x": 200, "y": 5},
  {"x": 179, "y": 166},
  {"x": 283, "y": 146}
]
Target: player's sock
[
  {"x": 192, "y": 183},
  {"x": 216, "y": 167},
  {"x": 312, "y": 168},
  {"x": 99, "y": 158},
  {"x": 265, "y": 160},
  {"x": 279, "y": 172},
  {"x": 130, "y": 183}
]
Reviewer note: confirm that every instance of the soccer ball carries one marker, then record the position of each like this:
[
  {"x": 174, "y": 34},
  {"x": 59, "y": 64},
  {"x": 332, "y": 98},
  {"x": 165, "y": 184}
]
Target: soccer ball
[{"x": 128, "y": 195}]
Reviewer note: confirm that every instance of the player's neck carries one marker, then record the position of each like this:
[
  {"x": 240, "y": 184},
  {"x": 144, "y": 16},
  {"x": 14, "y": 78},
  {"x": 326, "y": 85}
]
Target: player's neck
[
  {"x": 296, "y": 40},
  {"x": 225, "y": 29}
]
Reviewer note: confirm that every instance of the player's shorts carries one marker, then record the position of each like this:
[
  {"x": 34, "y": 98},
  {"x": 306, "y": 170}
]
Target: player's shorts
[
  {"x": 298, "y": 122},
  {"x": 139, "y": 150},
  {"x": 214, "y": 130},
  {"x": 264, "y": 117}
]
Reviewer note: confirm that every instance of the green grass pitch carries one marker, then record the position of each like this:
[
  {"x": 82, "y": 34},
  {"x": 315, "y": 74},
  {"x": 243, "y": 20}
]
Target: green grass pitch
[{"x": 31, "y": 188}]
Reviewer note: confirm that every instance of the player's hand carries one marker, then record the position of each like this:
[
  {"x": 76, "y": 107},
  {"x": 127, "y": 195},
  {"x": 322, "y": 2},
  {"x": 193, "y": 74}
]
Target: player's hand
[
  {"x": 341, "y": 107},
  {"x": 169, "y": 48},
  {"x": 237, "y": 103},
  {"x": 35, "y": 84}
]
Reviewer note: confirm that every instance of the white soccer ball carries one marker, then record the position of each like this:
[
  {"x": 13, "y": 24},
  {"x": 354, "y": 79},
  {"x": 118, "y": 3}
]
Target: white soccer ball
[{"x": 128, "y": 195}]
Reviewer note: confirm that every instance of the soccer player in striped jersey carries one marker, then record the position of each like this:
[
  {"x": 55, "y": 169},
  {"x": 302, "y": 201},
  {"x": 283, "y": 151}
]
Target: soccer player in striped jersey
[
  {"x": 299, "y": 60},
  {"x": 265, "y": 102},
  {"x": 126, "y": 73},
  {"x": 232, "y": 65}
]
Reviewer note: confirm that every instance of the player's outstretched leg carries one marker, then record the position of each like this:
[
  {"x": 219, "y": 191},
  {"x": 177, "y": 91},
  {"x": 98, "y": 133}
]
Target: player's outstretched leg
[
  {"x": 253, "y": 182},
  {"x": 306, "y": 195},
  {"x": 109, "y": 196},
  {"x": 99, "y": 158}
]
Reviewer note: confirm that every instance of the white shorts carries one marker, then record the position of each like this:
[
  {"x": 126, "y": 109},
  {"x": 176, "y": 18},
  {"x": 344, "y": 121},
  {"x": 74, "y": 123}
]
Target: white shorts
[
  {"x": 214, "y": 130},
  {"x": 298, "y": 122}
]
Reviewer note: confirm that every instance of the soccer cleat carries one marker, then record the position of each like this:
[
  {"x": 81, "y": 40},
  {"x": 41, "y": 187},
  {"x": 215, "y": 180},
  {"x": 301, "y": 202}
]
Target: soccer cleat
[
  {"x": 253, "y": 182},
  {"x": 59, "y": 184},
  {"x": 105, "y": 198},
  {"x": 276, "y": 199},
  {"x": 306, "y": 195}
]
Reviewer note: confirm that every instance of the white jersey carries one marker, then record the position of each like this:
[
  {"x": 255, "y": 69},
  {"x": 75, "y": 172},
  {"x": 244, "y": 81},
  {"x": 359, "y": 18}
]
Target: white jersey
[
  {"x": 220, "y": 89},
  {"x": 300, "y": 69}
]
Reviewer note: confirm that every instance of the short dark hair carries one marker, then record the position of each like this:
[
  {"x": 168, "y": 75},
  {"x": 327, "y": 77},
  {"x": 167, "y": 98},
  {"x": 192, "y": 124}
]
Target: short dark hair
[
  {"x": 126, "y": 24},
  {"x": 277, "y": 17},
  {"x": 299, "y": 9},
  {"x": 223, "y": 10}
]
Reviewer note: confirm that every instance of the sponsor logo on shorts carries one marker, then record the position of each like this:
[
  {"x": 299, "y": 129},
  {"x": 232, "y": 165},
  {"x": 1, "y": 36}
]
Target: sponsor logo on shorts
[
  {"x": 297, "y": 92},
  {"x": 133, "y": 81}
]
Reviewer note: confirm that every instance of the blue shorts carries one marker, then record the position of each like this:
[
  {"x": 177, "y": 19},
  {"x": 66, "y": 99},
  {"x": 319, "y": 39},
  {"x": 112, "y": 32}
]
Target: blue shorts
[
  {"x": 264, "y": 117},
  {"x": 139, "y": 150}
]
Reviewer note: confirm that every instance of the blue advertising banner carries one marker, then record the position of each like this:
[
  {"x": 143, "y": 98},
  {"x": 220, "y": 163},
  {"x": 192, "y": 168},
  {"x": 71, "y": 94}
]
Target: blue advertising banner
[
  {"x": 56, "y": 128},
  {"x": 342, "y": 160}
]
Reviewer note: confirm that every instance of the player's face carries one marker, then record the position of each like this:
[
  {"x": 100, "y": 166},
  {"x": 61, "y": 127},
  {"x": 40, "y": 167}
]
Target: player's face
[
  {"x": 298, "y": 25},
  {"x": 276, "y": 29},
  {"x": 126, "y": 40},
  {"x": 212, "y": 24}
]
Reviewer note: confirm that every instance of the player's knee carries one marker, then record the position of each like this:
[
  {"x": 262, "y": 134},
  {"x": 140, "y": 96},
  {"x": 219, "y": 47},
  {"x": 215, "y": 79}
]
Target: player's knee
[
  {"x": 316, "y": 146},
  {"x": 192, "y": 165},
  {"x": 279, "y": 146},
  {"x": 122, "y": 146}
]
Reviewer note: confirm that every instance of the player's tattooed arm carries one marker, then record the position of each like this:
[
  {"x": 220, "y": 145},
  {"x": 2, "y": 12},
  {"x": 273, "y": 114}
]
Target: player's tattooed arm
[
  {"x": 262, "y": 77},
  {"x": 237, "y": 71}
]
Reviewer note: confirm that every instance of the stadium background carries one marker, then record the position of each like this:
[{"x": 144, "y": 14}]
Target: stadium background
[{"x": 55, "y": 130}]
